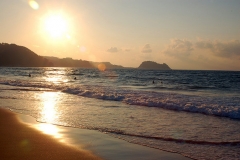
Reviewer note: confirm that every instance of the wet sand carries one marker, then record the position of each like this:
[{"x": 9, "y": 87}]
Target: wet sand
[
  {"x": 21, "y": 137},
  {"x": 19, "y": 141}
]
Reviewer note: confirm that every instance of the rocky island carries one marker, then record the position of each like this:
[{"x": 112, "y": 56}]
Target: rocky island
[{"x": 154, "y": 66}]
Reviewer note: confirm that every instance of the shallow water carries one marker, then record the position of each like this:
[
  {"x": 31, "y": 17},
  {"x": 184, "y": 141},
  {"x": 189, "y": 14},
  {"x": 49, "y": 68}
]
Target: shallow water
[{"x": 197, "y": 116}]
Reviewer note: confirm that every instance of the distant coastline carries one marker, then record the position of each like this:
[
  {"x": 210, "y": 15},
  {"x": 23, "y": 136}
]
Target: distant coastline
[{"x": 12, "y": 55}]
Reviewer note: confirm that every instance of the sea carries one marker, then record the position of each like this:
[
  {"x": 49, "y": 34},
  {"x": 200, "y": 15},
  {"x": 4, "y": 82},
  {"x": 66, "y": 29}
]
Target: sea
[{"x": 191, "y": 112}]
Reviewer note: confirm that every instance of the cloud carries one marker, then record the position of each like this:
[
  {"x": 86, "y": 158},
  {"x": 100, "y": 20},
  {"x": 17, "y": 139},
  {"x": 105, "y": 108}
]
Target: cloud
[
  {"x": 179, "y": 48},
  {"x": 184, "y": 48},
  {"x": 203, "y": 54},
  {"x": 127, "y": 50},
  {"x": 222, "y": 49},
  {"x": 113, "y": 49},
  {"x": 146, "y": 52},
  {"x": 147, "y": 49}
]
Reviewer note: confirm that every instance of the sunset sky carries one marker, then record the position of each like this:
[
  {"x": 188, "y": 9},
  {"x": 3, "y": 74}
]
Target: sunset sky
[{"x": 185, "y": 34}]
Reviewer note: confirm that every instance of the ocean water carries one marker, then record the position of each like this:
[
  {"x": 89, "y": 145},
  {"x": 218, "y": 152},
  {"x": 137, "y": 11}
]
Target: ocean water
[{"x": 193, "y": 113}]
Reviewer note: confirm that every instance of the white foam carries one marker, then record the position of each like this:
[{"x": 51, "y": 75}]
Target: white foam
[{"x": 218, "y": 106}]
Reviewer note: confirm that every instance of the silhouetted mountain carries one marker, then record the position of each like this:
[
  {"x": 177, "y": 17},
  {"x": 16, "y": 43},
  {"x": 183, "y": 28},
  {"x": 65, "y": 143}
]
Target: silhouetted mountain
[
  {"x": 69, "y": 62},
  {"x": 153, "y": 65},
  {"x": 108, "y": 65},
  {"x": 12, "y": 55}
]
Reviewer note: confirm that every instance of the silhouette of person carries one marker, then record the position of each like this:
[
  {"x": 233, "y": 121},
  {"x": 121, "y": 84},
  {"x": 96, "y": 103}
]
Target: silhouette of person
[
  {"x": 153, "y": 82},
  {"x": 75, "y": 78},
  {"x": 29, "y": 75}
]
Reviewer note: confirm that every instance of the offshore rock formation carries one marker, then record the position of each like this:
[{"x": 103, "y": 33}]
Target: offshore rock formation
[{"x": 154, "y": 66}]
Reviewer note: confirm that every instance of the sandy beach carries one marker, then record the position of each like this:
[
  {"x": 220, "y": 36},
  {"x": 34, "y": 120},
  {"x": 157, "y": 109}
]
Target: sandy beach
[{"x": 19, "y": 141}]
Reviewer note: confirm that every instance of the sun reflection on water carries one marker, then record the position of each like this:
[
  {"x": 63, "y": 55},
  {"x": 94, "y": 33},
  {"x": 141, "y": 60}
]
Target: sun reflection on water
[
  {"x": 56, "y": 80},
  {"x": 56, "y": 76},
  {"x": 49, "y": 110},
  {"x": 49, "y": 114},
  {"x": 49, "y": 129},
  {"x": 53, "y": 79}
]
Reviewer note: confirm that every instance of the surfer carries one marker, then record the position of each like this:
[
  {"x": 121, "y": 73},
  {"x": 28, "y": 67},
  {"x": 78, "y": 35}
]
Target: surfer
[{"x": 75, "y": 78}]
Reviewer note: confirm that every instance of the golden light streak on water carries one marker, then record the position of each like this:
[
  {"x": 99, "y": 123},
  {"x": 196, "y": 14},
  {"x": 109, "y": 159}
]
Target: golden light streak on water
[
  {"x": 53, "y": 79},
  {"x": 49, "y": 129},
  {"x": 49, "y": 114},
  {"x": 57, "y": 77},
  {"x": 49, "y": 111}
]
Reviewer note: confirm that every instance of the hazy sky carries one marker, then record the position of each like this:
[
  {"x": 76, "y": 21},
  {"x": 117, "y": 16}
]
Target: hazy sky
[{"x": 185, "y": 34}]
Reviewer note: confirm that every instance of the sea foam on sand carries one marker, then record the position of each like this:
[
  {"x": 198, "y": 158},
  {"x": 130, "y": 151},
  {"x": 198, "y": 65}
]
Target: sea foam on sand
[
  {"x": 46, "y": 141},
  {"x": 100, "y": 144},
  {"x": 19, "y": 141}
]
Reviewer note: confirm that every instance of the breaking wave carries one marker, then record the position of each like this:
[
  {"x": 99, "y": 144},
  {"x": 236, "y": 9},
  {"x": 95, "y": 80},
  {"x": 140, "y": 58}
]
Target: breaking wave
[{"x": 216, "y": 106}]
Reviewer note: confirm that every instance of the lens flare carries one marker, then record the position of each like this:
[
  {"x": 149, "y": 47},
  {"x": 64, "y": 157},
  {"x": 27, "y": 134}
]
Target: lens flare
[
  {"x": 102, "y": 67},
  {"x": 83, "y": 49},
  {"x": 33, "y": 4}
]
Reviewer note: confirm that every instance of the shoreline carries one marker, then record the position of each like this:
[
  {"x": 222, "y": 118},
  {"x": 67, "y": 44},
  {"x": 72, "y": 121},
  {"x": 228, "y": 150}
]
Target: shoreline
[
  {"x": 92, "y": 144},
  {"x": 19, "y": 141}
]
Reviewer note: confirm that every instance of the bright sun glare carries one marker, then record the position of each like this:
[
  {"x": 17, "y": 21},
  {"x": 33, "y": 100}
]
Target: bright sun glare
[{"x": 56, "y": 26}]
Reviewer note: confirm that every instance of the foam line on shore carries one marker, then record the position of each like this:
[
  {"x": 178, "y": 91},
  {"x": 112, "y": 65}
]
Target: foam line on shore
[
  {"x": 19, "y": 141},
  {"x": 103, "y": 145}
]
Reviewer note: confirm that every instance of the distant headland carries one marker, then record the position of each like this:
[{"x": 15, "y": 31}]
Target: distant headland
[{"x": 12, "y": 55}]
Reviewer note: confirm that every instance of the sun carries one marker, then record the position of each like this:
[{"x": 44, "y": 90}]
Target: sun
[{"x": 56, "y": 26}]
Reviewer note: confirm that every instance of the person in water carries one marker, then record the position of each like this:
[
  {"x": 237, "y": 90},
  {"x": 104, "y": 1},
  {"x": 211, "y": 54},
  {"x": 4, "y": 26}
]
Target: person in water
[
  {"x": 75, "y": 78},
  {"x": 153, "y": 82},
  {"x": 29, "y": 75}
]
